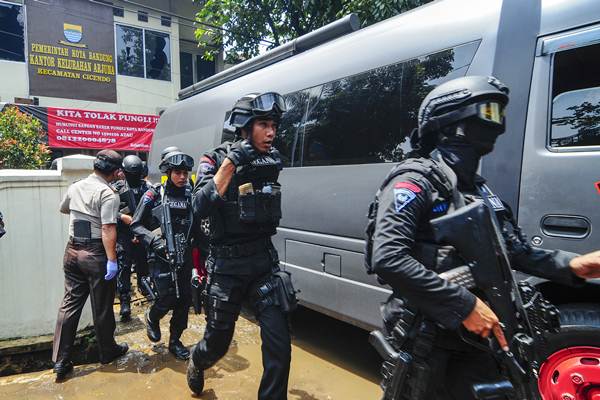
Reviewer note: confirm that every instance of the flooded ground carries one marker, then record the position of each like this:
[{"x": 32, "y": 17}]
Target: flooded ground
[{"x": 330, "y": 360}]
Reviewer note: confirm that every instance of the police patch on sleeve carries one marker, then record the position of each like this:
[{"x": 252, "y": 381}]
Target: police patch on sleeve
[
  {"x": 148, "y": 197},
  {"x": 404, "y": 193},
  {"x": 207, "y": 165}
]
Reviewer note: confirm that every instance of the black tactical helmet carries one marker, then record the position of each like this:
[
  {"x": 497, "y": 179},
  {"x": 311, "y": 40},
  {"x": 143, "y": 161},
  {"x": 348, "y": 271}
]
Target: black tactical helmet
[
  {"x": 176, "y": 160},
  {"x": 167, "y": 150},
  {"x": 107, "y": 161},
  {"x": 269, "y": 105},
  {"x": 132, "y": 164},
  {"x": 476, "y": 98}
]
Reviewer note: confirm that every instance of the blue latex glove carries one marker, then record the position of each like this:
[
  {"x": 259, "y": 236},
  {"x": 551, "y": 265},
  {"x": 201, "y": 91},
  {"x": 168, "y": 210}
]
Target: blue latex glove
[{"x": 111, "y": 269}]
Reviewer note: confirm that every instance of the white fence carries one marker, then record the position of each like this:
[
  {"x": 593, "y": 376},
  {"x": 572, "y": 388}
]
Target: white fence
[{"x": 31, "y": 252}]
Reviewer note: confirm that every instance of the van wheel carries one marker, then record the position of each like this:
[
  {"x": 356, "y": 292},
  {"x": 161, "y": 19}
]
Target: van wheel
[
  {"x": 572, "y": 366},
  {"x": 586, "y": 314}
]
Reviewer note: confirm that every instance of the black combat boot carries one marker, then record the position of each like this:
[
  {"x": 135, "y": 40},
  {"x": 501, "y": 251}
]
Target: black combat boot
[
  {"x": 195, "y": 378},
  {"x": 62, "y": 368},
  {"x": 178, "y": 349},
  {"x": 125, "y": 312},
  {"x": 152, "y": 328},
  {"x": 118, "y": 351}
]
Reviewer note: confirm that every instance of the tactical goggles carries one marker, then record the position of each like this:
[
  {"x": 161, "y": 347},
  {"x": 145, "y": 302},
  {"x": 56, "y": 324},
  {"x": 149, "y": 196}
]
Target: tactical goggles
[
  {"x": 488, "y": 111},
  {"x": 179, "y": 161},
  {"x": 266, "y": 102},
  {"x": 491, "y": 112}
]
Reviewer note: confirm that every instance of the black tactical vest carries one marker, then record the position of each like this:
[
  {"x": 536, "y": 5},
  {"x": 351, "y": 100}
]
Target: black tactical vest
[
  {"x": 252, "y": 201},
  {"x": 179, "y": 202},
  {"x": 445, "y": 198},
  {"x": 130, "y": 196},
  {"x": 444, "y": 181}
]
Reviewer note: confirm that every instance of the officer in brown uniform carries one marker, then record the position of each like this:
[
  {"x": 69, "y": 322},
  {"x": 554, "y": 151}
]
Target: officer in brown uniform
[{"x": 90, "y": 262}]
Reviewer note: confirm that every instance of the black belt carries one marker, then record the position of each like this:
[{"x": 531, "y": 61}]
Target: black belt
[
  {"x": 239, "y": 250},
  {"x": 76, "y": 240}
]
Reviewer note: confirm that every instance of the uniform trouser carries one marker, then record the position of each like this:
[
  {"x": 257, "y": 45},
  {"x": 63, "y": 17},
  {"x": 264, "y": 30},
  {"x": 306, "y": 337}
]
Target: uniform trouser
[
  {"x": 455, "y": 366},
  {"x": 129, "y": 253},
  {"x": 226, "y": 292},
  {"x": 84, "y": 268},
  {"x": 167, "y": 298}
]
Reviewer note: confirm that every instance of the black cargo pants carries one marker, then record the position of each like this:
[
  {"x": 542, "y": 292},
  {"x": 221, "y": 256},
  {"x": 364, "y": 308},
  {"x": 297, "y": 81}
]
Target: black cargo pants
[
  {"x": 129, "y": 253},
  {"x": 225, "y": 294},
  {"x": 167, "y": 297},
  {"x": 455, "y": 366}
]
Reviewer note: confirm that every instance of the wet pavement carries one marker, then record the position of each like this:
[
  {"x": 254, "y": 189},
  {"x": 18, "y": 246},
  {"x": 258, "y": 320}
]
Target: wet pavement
[{"x": 330, "y": 360}]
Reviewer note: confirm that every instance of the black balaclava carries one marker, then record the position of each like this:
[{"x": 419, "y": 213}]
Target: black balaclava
[
  {"x": 463, "y": 150},
  {"x": 133, "y": 180},
  {"x": 462, "y": 157}
]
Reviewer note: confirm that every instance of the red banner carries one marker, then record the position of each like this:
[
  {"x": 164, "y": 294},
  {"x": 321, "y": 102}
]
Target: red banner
[{"x": 85, "y": 129}]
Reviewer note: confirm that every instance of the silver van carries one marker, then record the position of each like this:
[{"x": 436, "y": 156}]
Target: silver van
[{"x": 353, "y": 101}]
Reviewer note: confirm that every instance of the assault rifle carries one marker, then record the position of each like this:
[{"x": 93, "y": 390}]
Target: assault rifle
[
  {"x": 176, "y": 242},
  {"x": 526, "y": 317}
]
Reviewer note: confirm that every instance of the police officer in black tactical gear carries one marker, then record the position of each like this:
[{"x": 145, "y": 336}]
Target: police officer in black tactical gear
[
  {"x": 129, "y": 249},
  {"x": 168, "y": 207},
  {"x": 237, "y": 189},
  {"x": 459, "y": 122}
]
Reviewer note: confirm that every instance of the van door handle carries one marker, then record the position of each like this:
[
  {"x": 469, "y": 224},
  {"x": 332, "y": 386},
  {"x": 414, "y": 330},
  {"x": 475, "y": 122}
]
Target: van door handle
[{"x": 567, "y": 226}]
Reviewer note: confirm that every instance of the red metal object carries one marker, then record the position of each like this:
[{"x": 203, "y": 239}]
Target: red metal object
[{"x": 572, "y": 373}]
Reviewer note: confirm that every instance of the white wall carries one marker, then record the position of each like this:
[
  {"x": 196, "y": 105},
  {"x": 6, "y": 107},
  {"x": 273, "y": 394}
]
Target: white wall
[{"x": 31, "y": 252}]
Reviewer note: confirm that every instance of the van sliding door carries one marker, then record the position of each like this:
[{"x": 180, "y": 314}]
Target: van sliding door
[{"x": 560, "y": 187}]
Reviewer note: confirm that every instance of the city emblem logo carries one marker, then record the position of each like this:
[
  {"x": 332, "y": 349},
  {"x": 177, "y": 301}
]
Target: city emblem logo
[{"x": 73, "y": 33}]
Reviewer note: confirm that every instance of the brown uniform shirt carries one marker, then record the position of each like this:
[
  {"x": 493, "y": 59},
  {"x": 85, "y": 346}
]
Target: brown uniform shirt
[{"x": 91, "y": 199}]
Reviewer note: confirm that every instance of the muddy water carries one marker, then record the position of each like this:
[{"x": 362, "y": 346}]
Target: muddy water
[{"x": 330, "y": 360}]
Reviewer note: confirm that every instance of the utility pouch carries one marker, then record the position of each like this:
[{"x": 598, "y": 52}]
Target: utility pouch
[
  {"x": 286, "y": 294},
  {"x": 260, "y": 208},
  {"x": 82, "y": 229},
  {"x": 164, "y": 284}
]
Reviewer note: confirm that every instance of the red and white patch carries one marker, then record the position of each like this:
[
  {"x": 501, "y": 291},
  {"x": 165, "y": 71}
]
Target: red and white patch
[
  {"x": 206, "y": 159},
  {"x": 407, "y": 185}
]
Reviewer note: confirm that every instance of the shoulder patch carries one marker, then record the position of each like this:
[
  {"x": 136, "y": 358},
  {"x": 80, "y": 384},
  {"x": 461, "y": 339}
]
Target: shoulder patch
[
  {"x": 407, "y": 185},
  {"x": 206, "y": 165},
  {"x": 403, "y": 195},
  {"x": 148, "y": 197}
]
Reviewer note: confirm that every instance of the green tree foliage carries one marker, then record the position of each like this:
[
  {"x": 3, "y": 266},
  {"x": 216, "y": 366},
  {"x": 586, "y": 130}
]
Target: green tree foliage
[
  {"x": 21, "y": 141},
  {"x": 248, "y": 23}
]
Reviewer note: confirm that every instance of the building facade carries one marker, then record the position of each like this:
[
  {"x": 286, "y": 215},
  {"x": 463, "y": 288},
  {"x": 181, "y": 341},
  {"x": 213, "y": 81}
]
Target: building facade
[{"x": 119, "y": 56}]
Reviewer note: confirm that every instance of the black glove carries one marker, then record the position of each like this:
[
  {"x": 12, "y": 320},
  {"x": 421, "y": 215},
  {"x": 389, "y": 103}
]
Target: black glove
[
  {"x": 158, "y": 245},
  {"x": 242, "y": 153}
]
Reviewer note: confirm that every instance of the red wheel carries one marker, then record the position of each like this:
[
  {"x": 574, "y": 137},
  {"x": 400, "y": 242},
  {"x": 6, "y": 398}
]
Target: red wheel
[{"x": 571, "y": 373}]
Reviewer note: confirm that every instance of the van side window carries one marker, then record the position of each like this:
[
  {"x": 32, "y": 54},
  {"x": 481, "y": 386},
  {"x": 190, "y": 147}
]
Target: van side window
[
  {"x": 288, "y": 136},
  {"x": 365, "y": 118},
  {"x": 576, "y": 98}
]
